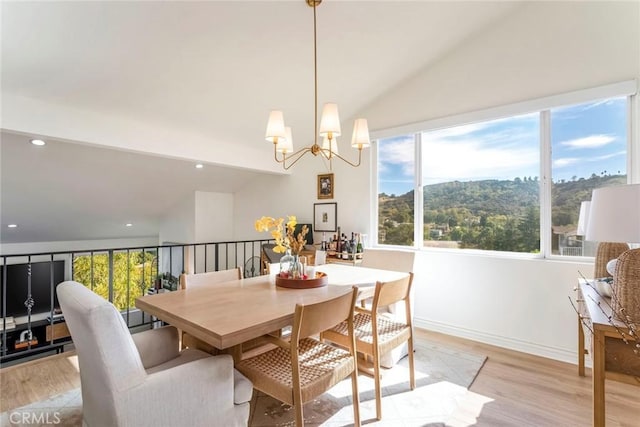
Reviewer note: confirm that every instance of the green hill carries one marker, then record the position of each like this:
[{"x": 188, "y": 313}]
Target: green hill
[{"x": 487, "y": 214}]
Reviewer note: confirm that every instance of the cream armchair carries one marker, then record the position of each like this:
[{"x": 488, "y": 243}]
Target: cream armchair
[{"x": 144, "y": 380}]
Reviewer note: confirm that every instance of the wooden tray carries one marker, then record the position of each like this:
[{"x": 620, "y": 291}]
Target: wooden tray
[{"x": 320, "y": 280}]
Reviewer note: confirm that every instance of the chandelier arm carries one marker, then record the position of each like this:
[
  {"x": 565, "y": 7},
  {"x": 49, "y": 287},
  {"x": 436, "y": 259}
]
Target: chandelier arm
[
  {"x": 334, "y": 154},
  {"x": 297, "y": 155},
  {"x": 301, "y": 152},
  {"x": 326, "y": 158}
]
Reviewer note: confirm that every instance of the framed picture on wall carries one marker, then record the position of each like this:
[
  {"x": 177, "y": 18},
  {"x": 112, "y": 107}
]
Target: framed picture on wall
[
  {"x": 325, "y": 216},
  {"x": 325, "y": 186}
]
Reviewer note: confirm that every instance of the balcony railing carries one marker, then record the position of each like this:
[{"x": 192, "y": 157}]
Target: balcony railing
[{"x": 31, "y": 322}]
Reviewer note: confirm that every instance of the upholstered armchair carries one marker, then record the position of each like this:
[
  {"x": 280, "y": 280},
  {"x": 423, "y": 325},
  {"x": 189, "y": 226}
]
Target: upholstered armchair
[{"x": 143, "y": 379}]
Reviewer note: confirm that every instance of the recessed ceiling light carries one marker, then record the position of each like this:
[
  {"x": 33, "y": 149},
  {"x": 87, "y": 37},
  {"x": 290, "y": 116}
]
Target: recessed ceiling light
[
  {"x": 128, "y": 224},
  {"x": 38, "y": 142},
  {"x": 199, "y": 166},
  {"x": 12, "y": 225}
]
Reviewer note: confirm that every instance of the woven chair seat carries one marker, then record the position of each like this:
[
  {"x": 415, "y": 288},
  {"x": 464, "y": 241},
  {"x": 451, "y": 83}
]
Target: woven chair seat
[
  {"x": 390, "y": 334},
  {"x": 321, "y": 367}
]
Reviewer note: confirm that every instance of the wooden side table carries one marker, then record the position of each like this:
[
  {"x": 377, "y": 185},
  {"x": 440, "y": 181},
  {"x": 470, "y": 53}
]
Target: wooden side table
[{"x": 601, "y": 338}]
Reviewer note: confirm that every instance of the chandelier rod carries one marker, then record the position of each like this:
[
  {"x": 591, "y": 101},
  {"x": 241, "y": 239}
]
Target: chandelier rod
[{"x": 315, "y": 77}]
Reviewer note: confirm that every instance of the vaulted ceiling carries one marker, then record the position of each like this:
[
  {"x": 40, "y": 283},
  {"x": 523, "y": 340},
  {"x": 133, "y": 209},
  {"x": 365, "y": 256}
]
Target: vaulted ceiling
[{"x": 205, "y": 73}]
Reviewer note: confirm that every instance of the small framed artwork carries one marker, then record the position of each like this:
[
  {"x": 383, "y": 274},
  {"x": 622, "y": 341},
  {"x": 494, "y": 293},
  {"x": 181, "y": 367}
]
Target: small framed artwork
[
  {"x": 325, "y": 186},
  {"x": 324, "y": 216}
]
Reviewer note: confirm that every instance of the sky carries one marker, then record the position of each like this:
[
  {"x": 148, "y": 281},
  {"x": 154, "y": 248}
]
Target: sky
[{"x": 585, "y": 139}]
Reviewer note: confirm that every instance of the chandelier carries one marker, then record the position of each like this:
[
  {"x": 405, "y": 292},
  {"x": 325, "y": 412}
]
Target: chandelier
[{"x": 280, "y": 135}]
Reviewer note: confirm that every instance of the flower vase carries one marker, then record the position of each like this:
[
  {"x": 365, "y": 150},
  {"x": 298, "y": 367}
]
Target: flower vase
[
  {"x": 285, "y": 263},
  {"x": 290, "y": 266}
]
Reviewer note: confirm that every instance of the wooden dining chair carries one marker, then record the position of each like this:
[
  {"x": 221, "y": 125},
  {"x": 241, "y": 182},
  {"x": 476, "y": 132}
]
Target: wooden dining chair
[
  {"x": 197, "y": 280},
  {"x": 301, "y": 369},
  {"x": 376, "y": 335},
  {"x": 394, "y": 260},
  {"x": 210, "y": 277}
]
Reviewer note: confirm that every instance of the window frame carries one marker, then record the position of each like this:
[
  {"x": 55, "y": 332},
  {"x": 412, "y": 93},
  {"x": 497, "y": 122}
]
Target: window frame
[{"x": 542, "y": 106}]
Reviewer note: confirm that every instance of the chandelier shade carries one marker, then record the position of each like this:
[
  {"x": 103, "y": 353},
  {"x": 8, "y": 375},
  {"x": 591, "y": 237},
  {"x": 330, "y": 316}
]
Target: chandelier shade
[
  {"x": 275, "y": 127},
  {"x": 280, "y": 135},
  {"x": 330, "y": 121},
  {"x": 285, "y": 145},
  {"x": 360, "y": 138}
]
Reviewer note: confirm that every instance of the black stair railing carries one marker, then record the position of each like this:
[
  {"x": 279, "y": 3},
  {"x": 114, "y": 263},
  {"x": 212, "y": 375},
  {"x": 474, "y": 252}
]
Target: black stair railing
[{"x": 31, "y": 322}]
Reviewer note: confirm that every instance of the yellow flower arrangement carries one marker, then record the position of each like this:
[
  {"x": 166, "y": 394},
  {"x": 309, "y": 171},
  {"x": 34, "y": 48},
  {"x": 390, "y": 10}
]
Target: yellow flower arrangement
[{"x": 283, "y": 234}]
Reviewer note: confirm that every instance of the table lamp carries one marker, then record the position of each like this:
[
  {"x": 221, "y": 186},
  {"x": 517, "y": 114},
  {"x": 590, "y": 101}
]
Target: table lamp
[{"x": 614, "y": 221}]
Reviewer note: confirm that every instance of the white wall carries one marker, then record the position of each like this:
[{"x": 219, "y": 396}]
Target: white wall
[
  {"x": 178, "y": 224},
  {"x": 522, "y": 304},
  {"x": 76, "y": 245},
  {"x": 543, "y": 49},
  {"x": 278, "y": 196},
  {"x": 72, "y": 124},
  {"x": 213, "y": 217}
]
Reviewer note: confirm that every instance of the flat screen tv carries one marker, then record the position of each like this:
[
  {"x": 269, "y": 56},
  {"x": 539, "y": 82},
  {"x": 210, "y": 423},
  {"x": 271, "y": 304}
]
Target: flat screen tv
[{"x": 16, "y": 287}]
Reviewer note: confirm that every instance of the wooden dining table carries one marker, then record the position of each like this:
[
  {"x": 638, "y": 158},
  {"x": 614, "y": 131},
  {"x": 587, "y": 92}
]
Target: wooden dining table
[{"x": 227, "y": 314}]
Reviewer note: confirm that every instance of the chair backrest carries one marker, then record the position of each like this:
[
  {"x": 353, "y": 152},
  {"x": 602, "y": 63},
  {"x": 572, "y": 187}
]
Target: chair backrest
[
  {"x": 273, "y": 268},
  {"x": 389, "y": 259},
  {"x": 209, "y": 278},
  {"x": 321, "y": 258},
  {"x": 312, "y": 319},
  {"x": 108, "y": 358},
  {"x": 388, "y": 293}
]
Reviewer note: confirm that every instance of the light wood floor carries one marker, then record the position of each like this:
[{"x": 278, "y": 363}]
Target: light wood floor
[{"x": 512, "y": 389}]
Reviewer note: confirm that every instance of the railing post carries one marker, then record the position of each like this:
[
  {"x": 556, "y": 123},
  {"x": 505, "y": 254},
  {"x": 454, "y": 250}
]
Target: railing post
[
  {"x": 217, "y": 262},
  {"x": 111, "y": 275}
]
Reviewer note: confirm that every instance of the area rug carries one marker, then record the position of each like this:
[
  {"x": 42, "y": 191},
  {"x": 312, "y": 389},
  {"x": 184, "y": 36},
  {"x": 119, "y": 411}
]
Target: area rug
[{"x": 443, "y": 377}]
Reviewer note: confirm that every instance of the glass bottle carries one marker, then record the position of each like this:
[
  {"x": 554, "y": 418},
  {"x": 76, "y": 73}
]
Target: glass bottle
[
  {"x": 286, "y": 264},
  {"x": 359, "y": 247},
  {"x": 295, "y": 271}
]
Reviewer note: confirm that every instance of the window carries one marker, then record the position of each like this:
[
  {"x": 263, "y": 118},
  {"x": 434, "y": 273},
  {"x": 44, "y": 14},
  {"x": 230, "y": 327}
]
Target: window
[
  {"x": 481, "y": 187},
  {"x": 496, "y": 181},
  {"x": 396, "y": 171},
  {"x": 588, "y": 150}
]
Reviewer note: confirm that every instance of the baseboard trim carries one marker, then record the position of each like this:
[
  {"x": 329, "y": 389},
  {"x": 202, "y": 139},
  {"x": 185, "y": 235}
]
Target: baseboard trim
[{"x": 562, "y": 355}]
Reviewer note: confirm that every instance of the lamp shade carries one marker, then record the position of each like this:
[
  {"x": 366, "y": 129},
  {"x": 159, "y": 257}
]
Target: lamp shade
[
  {"x": 360, "y": 138},
  {"x": 275, "y": 126},
  {"x": 614, "y": 215},
  {"x": 285, "y": 145},
  {"x": 583, "y": 218},
  {"x": 330, "y": 120},
  {"x": 334, "y": 146}
]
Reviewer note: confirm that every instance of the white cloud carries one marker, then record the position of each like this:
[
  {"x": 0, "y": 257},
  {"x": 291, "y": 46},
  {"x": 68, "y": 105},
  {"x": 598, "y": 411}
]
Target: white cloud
[
  {"x": 566, "y": 161},
  {"x": 444, "y": 161},
  {"x": 592, "y": 141},
  {"x": 500, "y": 149},
  {"x": 608, "y": 156},
  {"x": 397, "y": 152}
]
